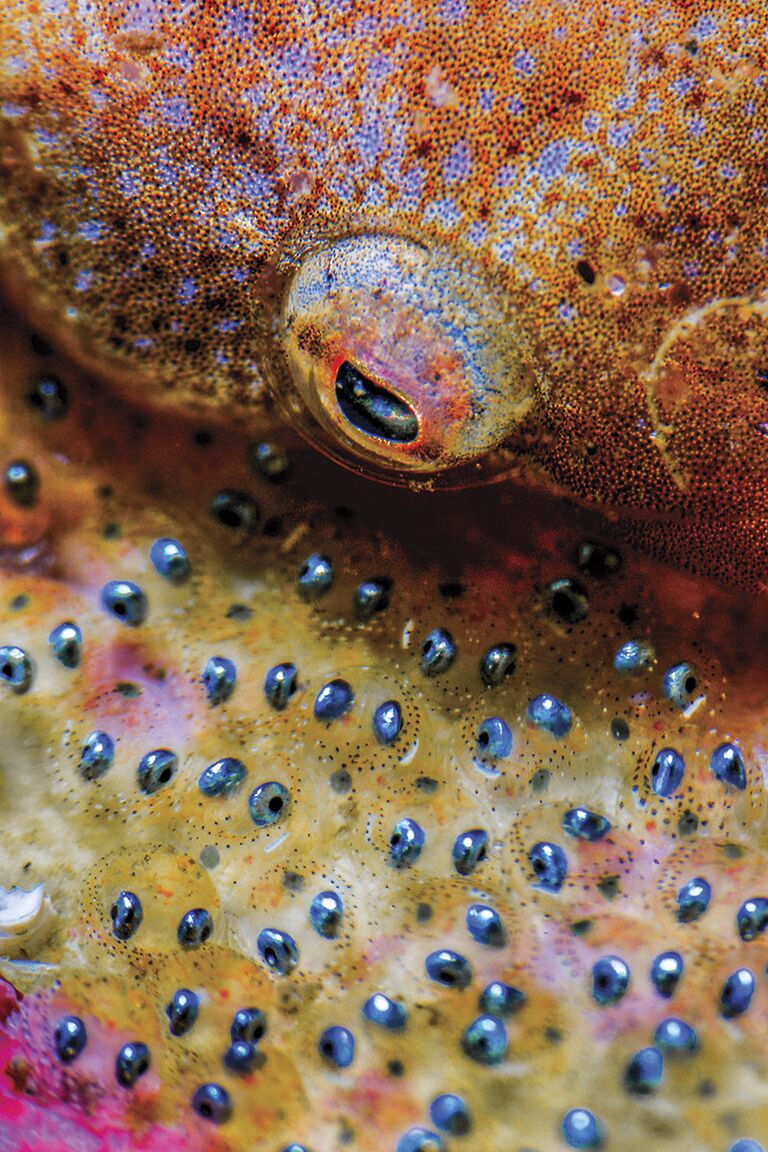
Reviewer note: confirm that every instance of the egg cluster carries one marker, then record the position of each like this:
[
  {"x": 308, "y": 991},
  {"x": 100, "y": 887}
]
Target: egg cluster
[{"x": 383, "y": 833}]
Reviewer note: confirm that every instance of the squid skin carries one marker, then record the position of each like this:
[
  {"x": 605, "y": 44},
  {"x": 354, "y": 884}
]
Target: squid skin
[
  {"x": 578, "y": 187},
  {"x": 553, "y": 214}
]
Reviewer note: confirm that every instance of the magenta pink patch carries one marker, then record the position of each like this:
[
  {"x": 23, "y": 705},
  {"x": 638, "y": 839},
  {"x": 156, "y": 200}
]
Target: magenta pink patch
[{"x": 49, "y": 1107}]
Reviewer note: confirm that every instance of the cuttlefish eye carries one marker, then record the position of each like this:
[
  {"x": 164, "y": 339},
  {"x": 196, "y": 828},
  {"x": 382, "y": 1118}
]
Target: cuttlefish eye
[{"x": 403, "y": 360}]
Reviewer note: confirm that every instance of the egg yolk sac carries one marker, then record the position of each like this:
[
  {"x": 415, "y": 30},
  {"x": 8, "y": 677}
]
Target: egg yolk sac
[{"x": 401, "y": 361}]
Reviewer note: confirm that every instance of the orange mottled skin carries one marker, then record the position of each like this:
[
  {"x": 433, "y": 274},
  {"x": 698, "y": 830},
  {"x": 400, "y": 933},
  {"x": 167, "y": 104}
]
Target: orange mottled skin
[
  {"x": 584, "y": 182},
  {"x": 168, "y": 165}
]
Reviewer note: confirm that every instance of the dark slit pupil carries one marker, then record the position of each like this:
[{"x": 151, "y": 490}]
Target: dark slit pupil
[{"x": 374, "y": 409}]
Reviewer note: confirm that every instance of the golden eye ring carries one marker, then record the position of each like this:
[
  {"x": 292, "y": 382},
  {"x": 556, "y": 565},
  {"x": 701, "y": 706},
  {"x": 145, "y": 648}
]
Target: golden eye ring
[{"x": 402, "y": 362}]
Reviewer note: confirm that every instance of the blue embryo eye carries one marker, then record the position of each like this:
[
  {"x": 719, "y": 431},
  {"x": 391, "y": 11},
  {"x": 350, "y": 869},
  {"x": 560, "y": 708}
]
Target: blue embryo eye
[
  {"x": 334, "y": 700},
  {"x": 66, "y": 641},
  {"x": 16, "y": 669},
  {"x": 278, "y": 950},
  {"x": 610, "y": 980},
  {"x": 97, "y": 755},
  {"x": 269, "y": 803},
  {"x": 125, "y": 601},
  {"x": 170, "y": 560},
  {"x": 494, "y": 739},
  {"x": 667, "y": 772},
  {"x": 406, "y": 843},
  {"x": 549, "y": 864},
  {"x": 213, "y": 1103}
]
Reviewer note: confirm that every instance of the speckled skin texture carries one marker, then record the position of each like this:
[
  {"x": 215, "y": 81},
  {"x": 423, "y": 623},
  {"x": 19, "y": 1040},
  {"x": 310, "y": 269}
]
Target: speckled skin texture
[
  {"x": 169, "y": 166},
  {"x": 138, "y": 183}
]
